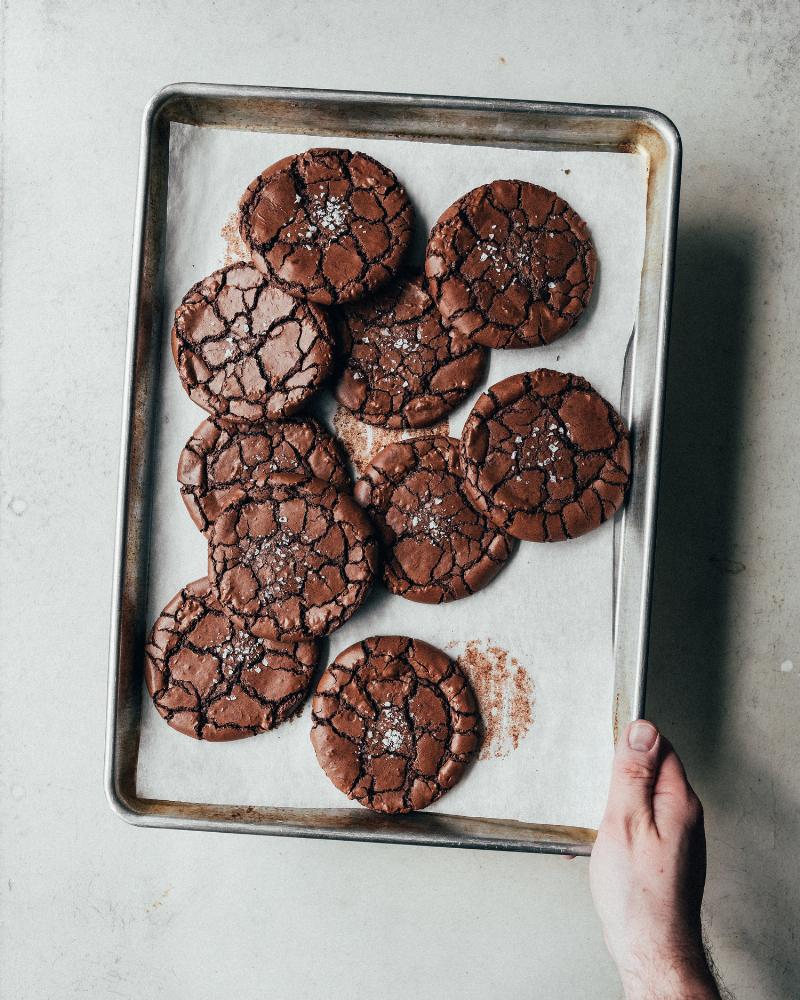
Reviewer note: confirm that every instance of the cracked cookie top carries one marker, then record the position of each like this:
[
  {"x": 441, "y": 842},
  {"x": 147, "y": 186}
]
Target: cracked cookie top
[
  {"x": 545, "y": 456},
  {"x": 213, "y": 681},
  {"x": 437, "y": 547},
  {"x": 510, "y": 264},
  {"x": 395, "y": 723},
  {"x": 296, "y": 562},
  {"x": 246, "y": 350},
  {"x": 404, "y": 367},
  {"x": 327, "y": 225},
  {"x": 224, "y": 462}
]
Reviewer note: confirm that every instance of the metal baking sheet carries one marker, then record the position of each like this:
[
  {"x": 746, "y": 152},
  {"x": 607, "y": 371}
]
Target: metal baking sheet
[{"x": 374, "y": 116}]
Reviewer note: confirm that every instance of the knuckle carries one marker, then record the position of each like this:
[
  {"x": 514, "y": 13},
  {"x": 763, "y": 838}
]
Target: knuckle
[{"x": 636, "y": 771}]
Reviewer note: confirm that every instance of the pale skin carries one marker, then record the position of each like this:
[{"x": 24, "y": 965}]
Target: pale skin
[{"x": 648, "y": 870}]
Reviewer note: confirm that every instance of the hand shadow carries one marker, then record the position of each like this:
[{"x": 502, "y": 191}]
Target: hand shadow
[{"x": 692, "y": 667}]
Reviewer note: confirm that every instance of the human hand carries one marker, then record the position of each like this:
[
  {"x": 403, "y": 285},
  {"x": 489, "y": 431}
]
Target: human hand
[{"x": 647, "y": 872}]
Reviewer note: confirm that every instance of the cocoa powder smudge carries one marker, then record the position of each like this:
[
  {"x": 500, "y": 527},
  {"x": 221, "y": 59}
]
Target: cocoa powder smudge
[
  {"x": 362, "y": 442},
  {"x": 521, "y": 710},
  {"x": 505, "y": 694},
  {"x": 235, "y": 248}
]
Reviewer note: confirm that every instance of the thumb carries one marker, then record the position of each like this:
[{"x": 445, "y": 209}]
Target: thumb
[{"x": 634, "y": 772}]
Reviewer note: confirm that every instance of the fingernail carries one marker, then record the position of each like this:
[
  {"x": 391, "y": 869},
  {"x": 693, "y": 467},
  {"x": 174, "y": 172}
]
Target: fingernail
[{"x": 642, "y": 735}]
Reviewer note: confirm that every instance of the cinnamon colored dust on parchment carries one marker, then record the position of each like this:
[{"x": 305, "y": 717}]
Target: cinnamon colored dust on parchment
[
  {"x": 505, "y": 694},
  {"x": 235, "y": 248},
  {"x": 363, "y": 441}
]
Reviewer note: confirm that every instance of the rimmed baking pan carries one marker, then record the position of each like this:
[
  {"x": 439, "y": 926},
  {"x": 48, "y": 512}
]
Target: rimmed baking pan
[{"x": 480, "y": 122}]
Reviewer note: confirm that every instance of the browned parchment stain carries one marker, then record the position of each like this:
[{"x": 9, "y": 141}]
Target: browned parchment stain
[
  {"x": 363, "y": 441},
  {"x": 235, "y": 248},
  {"x": 505, "y": 694}
]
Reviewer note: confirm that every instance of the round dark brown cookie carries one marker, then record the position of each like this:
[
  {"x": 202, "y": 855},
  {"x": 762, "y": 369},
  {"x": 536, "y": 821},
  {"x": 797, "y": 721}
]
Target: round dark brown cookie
[
  {"x": 395, "y": 723},
  {"x": 404, "y": 368},
  {"x": 246, "y": 350},
  {"x": 510, "y": 264},
  {"x": 213, "y": 681},
  {"x": 224, "y": 462},
  {"x": 295, "y": 563},
  {"x": 545, "y": 456},
  {"x": 327, "y": 225},
  {"x": 437, "y": 547}
]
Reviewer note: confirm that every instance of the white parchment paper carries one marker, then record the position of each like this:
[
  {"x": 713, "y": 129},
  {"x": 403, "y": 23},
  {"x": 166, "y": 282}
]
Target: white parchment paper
[{"x": 549, "y": 611}]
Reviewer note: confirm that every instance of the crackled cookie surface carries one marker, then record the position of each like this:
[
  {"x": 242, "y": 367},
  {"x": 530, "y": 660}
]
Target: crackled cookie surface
[
  {"x": 404, "y": 368},
  {"x": 545, "y": 456},
  {"x": 223, "y": 462},
  {"x": 510, "y": 264},
  {"x": 214, "y": 681},
  {"x": 395, "y": 723},
  {"x": 327, "y": 225},
  {"x": 246, "y": 350},
  {"x": 294, "y": 564},
  {"x": 437, "y": 547}
]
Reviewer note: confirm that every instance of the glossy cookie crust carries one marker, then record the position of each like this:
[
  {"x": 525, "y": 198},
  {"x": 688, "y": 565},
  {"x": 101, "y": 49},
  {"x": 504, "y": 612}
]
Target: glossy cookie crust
[
  {"x": 327, "y": 225},
  {"x": 395, "y": 723},
  {"x": 510, "y": 264},
  {"x": 404, "y": 367},
  {"x": 437, "y": 547},
  {"x": 545, "y": 456},
  {"x": 246, "y": 350},
  {"x": 295, "y": 563},
  {"x": 223, "y": 462},
  {"x": 212, "y": 681}
]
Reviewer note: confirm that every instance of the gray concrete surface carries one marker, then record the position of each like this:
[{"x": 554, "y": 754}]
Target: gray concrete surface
[{"x": 92, "y": 908}]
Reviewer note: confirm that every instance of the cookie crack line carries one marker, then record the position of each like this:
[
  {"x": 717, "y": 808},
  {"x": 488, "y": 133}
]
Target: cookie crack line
[
  {"x": 404, "y": 367},
  {"x": 437, "y": 546},
  {"x": 327, "y": 283},
  {"x": 521, "y": 274},
  {"x": 222, "y": 462},
  {"x": 247, "y": 351},
  {"x": 213, "y": 682},
  {"x": 352, "y": 247},
  {"x": 510, "y": 264},
  {"x": 295, "y": 561},
  {"x": 545, "y": 456},
  {"x": 394, "y": 723},
  {"x": 515, "y": 274}
]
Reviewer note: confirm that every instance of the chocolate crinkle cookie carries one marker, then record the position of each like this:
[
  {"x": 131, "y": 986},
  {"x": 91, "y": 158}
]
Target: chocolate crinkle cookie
[
  {"x": 213, "y": 681},
  {"x": 224, "y": 462},
  {"x": 437, "y": 546},
  {"x": 395, "y": 723},
  {"x": 404, "y": 367},
  {"x": 327, "y": 225},
  {"x": 545, "y": 456},
  {"x": 510, "y": 264},
  {"x": 246, "y": 350},
  {"x": 296, "y": 562}
]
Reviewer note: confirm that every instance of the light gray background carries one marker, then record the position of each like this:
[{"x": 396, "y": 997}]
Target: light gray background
[{"x": 90, "y": 907}]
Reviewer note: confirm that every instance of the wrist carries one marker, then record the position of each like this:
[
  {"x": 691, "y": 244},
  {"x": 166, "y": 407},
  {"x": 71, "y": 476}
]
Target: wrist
[{"x": 676, "y": 975}]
